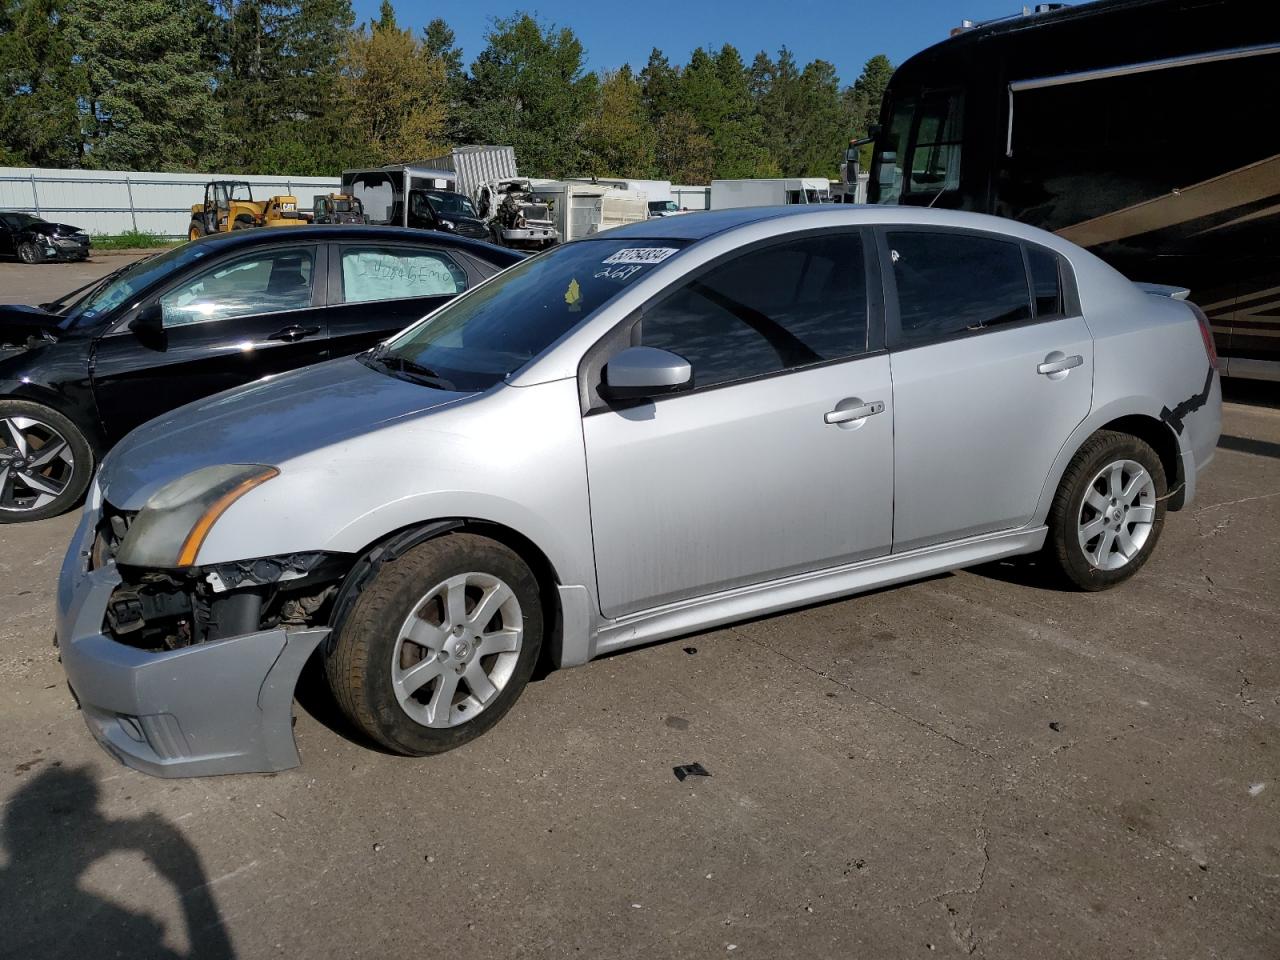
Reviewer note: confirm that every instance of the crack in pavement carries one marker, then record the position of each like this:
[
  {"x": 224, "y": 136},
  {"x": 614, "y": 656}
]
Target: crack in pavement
[{"x": 866, "y": 696}]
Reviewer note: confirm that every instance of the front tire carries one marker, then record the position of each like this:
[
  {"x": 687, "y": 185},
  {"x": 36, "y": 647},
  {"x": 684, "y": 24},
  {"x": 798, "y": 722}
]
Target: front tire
[
  {"x": 1108, "y": 512},
  {"x": 439, "y": 644},
  {"x": 195, "y": 231},
  {"x": 29, "y": 253},
  {"x": 45, "y": 462}
]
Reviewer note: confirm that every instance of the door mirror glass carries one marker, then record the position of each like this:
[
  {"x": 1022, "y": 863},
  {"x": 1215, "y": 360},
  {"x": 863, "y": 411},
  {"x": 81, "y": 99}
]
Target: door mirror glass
[{"x": 639, "y": 373}]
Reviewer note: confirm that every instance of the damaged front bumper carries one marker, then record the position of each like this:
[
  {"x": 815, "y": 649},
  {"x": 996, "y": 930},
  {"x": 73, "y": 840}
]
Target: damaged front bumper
[{"x": 209, "y": 708}]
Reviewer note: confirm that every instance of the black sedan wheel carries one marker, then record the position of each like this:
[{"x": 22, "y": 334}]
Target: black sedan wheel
[
  {"x": 45, "y": 462},
  {"x": 28, "y": 252}
]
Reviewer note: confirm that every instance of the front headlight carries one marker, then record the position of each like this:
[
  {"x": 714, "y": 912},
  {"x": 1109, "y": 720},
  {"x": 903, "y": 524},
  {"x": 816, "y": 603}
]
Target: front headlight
[{"x": 173, "y": 524}]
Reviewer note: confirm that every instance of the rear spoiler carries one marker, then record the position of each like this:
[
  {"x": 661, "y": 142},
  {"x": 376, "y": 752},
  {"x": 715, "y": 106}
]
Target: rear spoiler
[{"x": 1163, "y": 290}]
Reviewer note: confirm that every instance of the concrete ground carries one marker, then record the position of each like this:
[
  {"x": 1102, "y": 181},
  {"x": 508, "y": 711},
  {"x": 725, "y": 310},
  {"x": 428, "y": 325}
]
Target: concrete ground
[{"x": 970, "y": 765}]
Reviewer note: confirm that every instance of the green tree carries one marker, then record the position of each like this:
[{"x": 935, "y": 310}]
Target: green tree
[
  {"x": 619, "y": 138},
  {"x": 800, "y": 111},
  {"x": 715, "y": 89},
  {"x": 683, "y": 152},
  {"x": 439, "y": 41},
  {"x": 150, "y": 100},
  {"x": 393, "y": 93},
  {"x": 861, "y": 101},
  {"x": 658, "y": 83},
  {"x": 277, "y": 80},
  {"x": 529, "y": 89},
  {"x": 41, "y": 84}
]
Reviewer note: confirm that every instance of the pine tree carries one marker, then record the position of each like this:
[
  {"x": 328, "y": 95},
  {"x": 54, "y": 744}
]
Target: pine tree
[
  {"x": 861, "y": 102},
  {"x": 529, "y": 89},
  {"x": 149, "y": 94},
  {"x": 439, "y": 41},
  {"x": 40, "y": 85}
]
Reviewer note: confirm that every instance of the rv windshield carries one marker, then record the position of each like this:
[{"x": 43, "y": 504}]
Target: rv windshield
[{"x": 489, "y": 333}]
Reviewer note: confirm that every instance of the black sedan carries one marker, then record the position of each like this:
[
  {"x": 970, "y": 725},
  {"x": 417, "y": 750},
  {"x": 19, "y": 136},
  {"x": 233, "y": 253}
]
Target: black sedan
[
  {"x": 34, "y": 240},
  {"x": 78, "y": 374}
]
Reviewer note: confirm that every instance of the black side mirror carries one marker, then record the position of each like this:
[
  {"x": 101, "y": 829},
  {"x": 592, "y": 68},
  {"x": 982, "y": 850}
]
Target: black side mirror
[
  {"x": 148, "y": 325},
  {"x": 639, "y": 373}
]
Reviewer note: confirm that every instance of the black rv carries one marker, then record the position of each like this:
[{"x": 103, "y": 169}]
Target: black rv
[{"x": 1145, "y": 130}]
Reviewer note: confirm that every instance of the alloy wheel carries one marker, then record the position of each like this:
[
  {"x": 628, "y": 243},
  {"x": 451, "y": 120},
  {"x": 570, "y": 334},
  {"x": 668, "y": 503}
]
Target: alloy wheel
[
  {"x": 457, "y": 649},
  {"x": 27, "y": 253},
  {"x": 36, "y": 464},
  {"x": 1117, "y": 514}
]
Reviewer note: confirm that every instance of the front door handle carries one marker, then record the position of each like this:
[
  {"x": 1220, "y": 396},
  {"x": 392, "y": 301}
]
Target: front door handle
[
  {"x": 859, "y": 411},
  {"x": 294, "y": 333},
  {"x": 1058, "y": 362}
]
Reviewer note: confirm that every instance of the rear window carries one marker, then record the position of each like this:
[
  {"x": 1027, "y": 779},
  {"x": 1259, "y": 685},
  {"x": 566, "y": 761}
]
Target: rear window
[
  {"x": 1046, "y": 282},
  {"x": 949, "y": 283}
]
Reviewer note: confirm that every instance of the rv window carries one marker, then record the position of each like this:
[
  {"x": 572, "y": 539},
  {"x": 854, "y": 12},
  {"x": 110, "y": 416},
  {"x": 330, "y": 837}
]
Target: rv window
[
  {"x": 935, "y": 156},
  {"x": 891, "y": 151}
]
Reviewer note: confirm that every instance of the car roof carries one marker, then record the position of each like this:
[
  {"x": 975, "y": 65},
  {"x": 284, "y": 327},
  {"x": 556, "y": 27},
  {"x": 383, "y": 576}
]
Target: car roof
[
  {"x": 237, "y": 239},
  {"x": 702, "y": 224}
]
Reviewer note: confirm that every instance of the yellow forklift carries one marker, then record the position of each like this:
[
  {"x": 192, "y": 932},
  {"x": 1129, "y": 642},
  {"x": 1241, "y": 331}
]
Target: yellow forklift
[{"x": 229, "y": 205}]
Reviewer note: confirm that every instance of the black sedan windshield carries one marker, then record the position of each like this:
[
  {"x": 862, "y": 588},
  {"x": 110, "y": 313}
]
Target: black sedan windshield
[
  {"x": 484, "y": 336},
  {"x": 119, "y": 286},
  {"x": 448, "y": 202},
  {"x": 16, "y": 221}
]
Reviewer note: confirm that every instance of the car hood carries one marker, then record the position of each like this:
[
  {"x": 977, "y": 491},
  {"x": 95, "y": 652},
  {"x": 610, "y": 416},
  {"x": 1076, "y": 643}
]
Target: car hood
[
  {"x": 18, "y": 322},
  {"x": 54, "y": 229},
  {"x": 268, "y": 422}
]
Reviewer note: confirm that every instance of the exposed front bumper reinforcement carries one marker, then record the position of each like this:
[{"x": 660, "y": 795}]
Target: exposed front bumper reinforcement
[{"x": 211, "y": 708}]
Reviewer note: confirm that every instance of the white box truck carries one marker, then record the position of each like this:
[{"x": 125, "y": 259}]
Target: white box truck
[
  {"x": 502, "y": 198},
  {"x": 726, "y": 194}
]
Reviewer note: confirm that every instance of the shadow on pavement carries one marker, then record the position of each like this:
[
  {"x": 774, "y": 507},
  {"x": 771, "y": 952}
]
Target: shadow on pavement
[
  {"x": 1261, "y": 448},
  {"x": 53, "y": 832}
]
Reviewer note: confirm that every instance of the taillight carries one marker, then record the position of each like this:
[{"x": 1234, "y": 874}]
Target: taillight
[{"x": 1206, "y": 334}]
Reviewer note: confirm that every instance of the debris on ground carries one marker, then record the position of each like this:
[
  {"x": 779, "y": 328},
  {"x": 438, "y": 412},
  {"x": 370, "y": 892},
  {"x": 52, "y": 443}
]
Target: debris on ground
[{"x": 690, "y": 770}]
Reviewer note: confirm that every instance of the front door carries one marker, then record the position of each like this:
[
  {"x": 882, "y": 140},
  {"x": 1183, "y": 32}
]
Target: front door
[
  {"x": 235, "y": 321},
  {"x": 992, "y": 370},
  {"x": 778, "y": 461}
]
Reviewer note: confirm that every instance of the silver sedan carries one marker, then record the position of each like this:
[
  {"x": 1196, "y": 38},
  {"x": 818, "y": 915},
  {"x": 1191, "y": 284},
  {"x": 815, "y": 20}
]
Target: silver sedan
[{"x": 662, "y": 428}]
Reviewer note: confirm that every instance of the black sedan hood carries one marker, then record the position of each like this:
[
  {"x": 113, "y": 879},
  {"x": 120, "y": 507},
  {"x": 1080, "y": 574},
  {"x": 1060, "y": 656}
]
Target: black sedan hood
[
  {"x": 468, "y": 226},
  {"x": 52, "y": 229},
  {"x": 18, "y": 322}
]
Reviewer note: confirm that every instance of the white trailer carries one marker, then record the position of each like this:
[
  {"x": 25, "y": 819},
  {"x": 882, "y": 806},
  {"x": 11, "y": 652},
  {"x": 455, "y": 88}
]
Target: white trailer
[
  {"x": 726, "y": 194},
  {"x": 580, "y": 208}
]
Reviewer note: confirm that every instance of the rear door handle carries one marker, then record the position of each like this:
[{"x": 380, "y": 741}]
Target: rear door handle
[
  {"x": 860, "y": 412},
  {"x": 1057, "y": 362},
  {"x": 294, "y": 333}
]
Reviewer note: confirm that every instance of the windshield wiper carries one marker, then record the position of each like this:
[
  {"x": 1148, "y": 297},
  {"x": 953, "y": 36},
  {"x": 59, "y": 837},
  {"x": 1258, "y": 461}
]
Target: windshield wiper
[{"x": 410, "y": 368}]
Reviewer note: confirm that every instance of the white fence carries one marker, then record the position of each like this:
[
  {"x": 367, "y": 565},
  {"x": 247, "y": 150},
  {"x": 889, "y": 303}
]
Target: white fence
[{"x": 115, "y": 201}]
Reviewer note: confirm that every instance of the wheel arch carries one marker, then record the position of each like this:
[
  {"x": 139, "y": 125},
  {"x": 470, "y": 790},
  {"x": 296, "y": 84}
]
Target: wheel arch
[
  {"x": 396, "y": 543},
  {"x": 1136, "y": 416}
]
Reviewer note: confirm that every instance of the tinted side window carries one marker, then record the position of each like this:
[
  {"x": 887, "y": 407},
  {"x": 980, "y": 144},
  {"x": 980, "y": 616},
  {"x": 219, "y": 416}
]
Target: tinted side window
[
  {"x": 783, "y": 306},
  {"x": 394, "y": 273},
  {"x": 935, "y": 156},
  {"x": 260, "y": 283},
  {"x": 951, "y": 282},
  {"x": 1046, "y": 283}
]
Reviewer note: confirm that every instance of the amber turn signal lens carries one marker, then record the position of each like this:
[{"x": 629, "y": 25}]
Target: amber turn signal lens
[{"x": 195, "y": 539}]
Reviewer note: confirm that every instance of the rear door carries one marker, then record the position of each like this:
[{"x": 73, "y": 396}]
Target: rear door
[
  {"x": 764, "y": 469},
  {"x": 227, "y": 323},
  {"x": 992, "y": 370},
  {"x": 378, "y": 288}
]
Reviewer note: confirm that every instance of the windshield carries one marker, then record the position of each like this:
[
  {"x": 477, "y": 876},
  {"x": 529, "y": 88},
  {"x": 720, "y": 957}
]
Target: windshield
[
  {"x": 117, "y": 287},
  {"x": 444, "y": 201},
  {"x": 19, "y": 220},
  {"x": 485, "y": 336}
]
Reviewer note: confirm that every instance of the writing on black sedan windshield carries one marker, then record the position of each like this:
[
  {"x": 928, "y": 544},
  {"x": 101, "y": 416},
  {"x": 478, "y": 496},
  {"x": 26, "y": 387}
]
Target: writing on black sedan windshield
[{"x": 486, "y": 335}]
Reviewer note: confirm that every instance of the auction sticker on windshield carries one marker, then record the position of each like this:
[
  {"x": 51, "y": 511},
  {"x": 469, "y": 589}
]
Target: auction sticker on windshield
[{"x": 640, "y": 255}]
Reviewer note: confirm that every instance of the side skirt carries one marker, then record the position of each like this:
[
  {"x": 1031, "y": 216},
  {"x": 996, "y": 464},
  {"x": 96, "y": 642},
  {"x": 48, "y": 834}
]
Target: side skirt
[{"x": 756, "y": 600}]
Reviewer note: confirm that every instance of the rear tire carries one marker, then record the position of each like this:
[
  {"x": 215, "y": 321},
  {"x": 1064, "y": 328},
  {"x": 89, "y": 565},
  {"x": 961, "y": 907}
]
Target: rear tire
[
  {"x": 29, "y": 253},
  {"x": 1108, "y": 512},
  {"x": 45, "y": 462},
  {"x": 411, "y": 664}
]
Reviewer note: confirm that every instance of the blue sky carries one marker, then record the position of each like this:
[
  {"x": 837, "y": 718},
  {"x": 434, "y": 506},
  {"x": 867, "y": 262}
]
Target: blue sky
[{"x": 615, "y": 33}]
